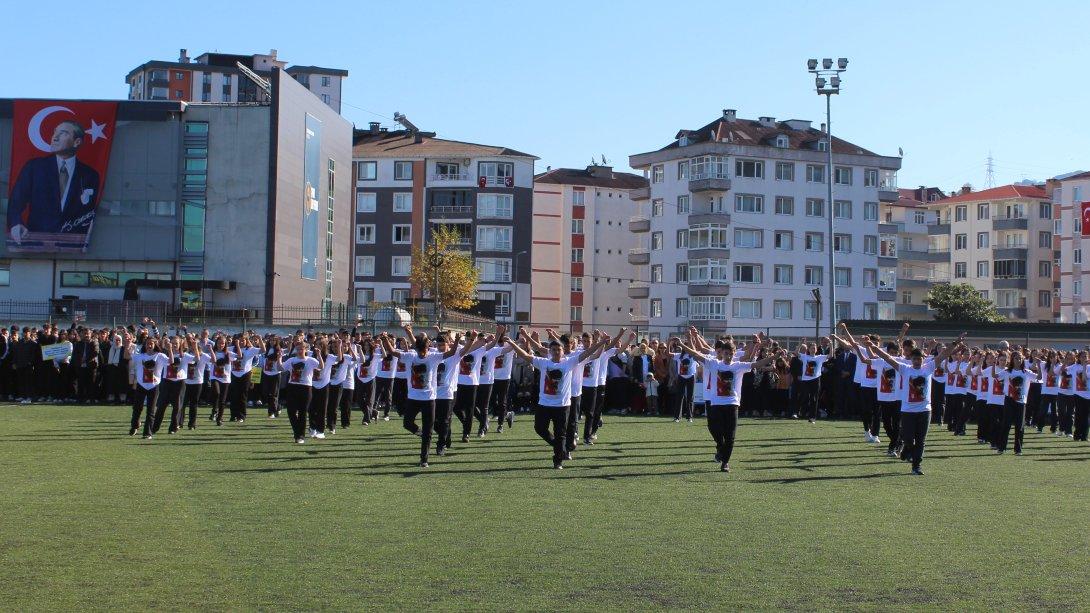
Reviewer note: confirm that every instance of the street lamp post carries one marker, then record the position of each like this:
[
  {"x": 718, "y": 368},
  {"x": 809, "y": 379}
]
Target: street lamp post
[
  {"x": 437, "y": 259},
  {"x": 827, "y": 83}
]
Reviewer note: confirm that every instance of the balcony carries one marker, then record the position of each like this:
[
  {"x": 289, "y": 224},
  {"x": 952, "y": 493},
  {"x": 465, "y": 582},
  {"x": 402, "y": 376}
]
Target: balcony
[
  {"x": 709, "y": 288},
  {"x": 446, "y": 211},
  {"x": 914, "y": 255},
  {"x": 938, "y": 254},
  {"x": 450, "y": 177},
  {"x": 708, "y": 252},
  {"x": 639, "y": 256},
  {"x": 1010, "y": 282},
  {"x": 708, "y": 217},
  {"x": 709, "y": 183},
  {"x": 490, "y": 181},
  {"x": 889, "y": 227},
  {"x": 639, "y": 223},
  {"x": 912, "y": 311},
  {"x": 639, "y": 289},
  {"x": 641, "y": 193},
  {"x": 913, "y": 282},
  {"x": 1012, "y": 312},
  {"x": 638, "y": 318},
  {"x": 1010, "y": 223},
  {"x": 1010, "y": 252},
  {"x": 938, "y": 229},
  {"x": 887, "y": 295},
  {"x": 887, "y": 186}
]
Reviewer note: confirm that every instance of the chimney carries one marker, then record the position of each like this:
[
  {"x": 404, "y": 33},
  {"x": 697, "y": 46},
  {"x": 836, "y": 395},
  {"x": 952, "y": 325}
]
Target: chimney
[
  {"x": 183, "y": 57},
  {"x": 823, "y": 127},
  {"x": 767, "y": 121},
  {"x": 965, "y": 189},
  {"x": 418, "y": 138},
  {"x": 730, "y": 114},
  {"x": 373, "y": 127},
  {"x": 600, "y": 172},
  {"x": 272, "y": 54}
]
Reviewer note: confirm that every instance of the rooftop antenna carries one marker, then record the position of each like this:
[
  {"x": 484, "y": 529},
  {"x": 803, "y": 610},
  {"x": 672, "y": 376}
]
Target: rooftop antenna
[
  {"x": 989, "y": 177},
  {"x": 404, "y": 121},
  {"x": 605, "y": 162},
  {"x": 256, "y": 78}
]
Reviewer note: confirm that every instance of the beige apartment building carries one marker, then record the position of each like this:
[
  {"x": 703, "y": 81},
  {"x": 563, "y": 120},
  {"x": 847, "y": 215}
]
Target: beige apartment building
[
  {"x": 999, "y": 241},
  {"x": 907, "y": 268},
  {"x": 1068, "y": 194}
]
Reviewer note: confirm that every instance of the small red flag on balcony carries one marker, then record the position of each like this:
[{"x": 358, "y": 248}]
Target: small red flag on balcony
[{"x": 1086, "y": 218}]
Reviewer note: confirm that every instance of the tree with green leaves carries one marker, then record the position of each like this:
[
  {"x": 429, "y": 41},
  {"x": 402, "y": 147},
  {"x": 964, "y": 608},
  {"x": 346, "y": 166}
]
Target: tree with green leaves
[
  {"x": 457, "y": 274},
  {"x": 961, "y": 302}
]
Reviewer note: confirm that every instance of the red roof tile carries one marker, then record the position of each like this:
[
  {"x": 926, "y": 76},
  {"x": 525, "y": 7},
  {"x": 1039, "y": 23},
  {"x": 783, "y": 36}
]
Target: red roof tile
[{"x": 1004, "y": 192}]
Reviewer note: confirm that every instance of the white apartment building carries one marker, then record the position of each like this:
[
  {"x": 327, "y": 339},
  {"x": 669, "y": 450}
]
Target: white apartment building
[
  {"x": 1068, "y": 194},
  {"x": 999, "y": 241},
  {"x": 581, "y": 242},
  {"x": 738, "y": 232}
]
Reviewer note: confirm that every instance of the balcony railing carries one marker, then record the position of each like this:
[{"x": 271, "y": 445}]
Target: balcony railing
[
  {"x": 444, "y": 177},
  {"x": 451, "y": 208},
  {"x": 498, "y": 181}
]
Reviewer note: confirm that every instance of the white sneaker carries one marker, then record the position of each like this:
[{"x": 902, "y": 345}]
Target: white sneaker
[
  {"x": 333, "y": 431},
  {"x": 876, "y": 440},
  {"x": 312, "y": 433},
  {"x": 319, "y": 435},
  {"x": 690, "y": 420},
  {"x": 300, "y": 441},
  {"x": 386, "y": 418},
  {"x": 272, "y": 416},
  {"x": 868, "y": 437}
]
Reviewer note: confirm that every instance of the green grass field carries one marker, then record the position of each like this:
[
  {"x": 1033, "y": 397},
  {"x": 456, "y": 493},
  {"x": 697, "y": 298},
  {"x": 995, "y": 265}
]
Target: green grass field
[{"x": 810, "y": 518}]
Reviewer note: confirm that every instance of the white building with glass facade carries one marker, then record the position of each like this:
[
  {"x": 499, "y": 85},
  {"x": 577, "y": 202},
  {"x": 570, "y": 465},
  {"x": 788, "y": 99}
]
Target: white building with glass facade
[{"x": 738, "y": 234}]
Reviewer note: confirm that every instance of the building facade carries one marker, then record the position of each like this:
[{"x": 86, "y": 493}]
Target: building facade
[
  {"x": 1068, "y": 194},
  {"x": 906, "y": 266},
  {"x": 215, "y": 77},
  {"x": 738, "y": 230},
  {"x": 581, "y": 243},
  {"x": 1000, "y": 241},
  {"x": 407, "y": 182},
  {"x": 212, "y": 223}
]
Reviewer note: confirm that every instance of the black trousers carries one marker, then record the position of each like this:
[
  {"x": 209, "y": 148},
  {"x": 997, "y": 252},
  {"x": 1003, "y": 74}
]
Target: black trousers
[
  {"x": 344, "y": 403},
  {"x": 938, "y": 400},
  {"x": 236, "y": 395},
  {"x": 723, "y": 425},
  {"x": 964, "y": 409},
  {"x": 464, "y": 405},
  {"x": 426, "y": 409},
  {"x": 25, "y": 376},
  {"x": 297, "y": 398},
  {"x": 1032, "y": 400},
  {"x": 365, "y": 398},
  {"x": 170, "y": 393},
  {"x": 270, "y": 392},
  {"x": 1046, "y": 412},
  {"x": 441, "y": 425},
  {"x": 219, "y": 399},
  {"x": 869, "y": 408},
  {"x": 86, "y": 383},
  {"x": 1014, "y": 414},
  {"x": 891, "y": 420},
  {"x": 983, "y": 415},
  {"x": 571, "y": 427},
  {"x": 481, "y": 400},
  {"x": 1066, "y": 404},
  {"x": 683, "y": 398},
  {"x": 144, "y": 400},
  {"x": 500, "y": 388},
  {"x": 808, "y": 397},
  {"x": 914, "y": 432},
  {"x": 594, "y": 413},
  {"x": 318, "y": 400},
  {"x": 400, "y": 394},
  {"x": 384, "y": 394},
  {"x": 557, "y": 417},
  {"x": 192, "y": 396},
  {"x": 1081, "y": 426},
  {"x": 332, "y": 403}
]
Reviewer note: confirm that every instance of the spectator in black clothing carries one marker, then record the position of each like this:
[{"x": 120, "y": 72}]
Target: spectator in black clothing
[
  {"x": 796, "y": 372},
  {"x": 86, "y": 359},
  {"x": 27, "y": 354}
]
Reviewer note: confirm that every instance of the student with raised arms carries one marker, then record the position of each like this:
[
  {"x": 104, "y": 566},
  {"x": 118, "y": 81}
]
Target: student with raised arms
[{"x": 297, "y": 394}]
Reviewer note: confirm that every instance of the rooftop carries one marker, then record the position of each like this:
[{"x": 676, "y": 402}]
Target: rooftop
[
  {"x": 1004, "y": 192},
  {"x": 752, "y": 132},
  {"x": 593, "y": 176},
  {"x": 404, "y": 144}
]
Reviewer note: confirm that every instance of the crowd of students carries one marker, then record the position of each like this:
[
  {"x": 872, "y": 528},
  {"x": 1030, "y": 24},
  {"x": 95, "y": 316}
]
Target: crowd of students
[{"x": 897, "y": 389}]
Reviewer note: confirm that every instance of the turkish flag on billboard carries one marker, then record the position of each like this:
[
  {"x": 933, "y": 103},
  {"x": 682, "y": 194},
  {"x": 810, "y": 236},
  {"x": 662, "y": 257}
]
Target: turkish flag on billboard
[
  {"x": 1086, "y": 218},
  {"x": 60, "y": 150}
]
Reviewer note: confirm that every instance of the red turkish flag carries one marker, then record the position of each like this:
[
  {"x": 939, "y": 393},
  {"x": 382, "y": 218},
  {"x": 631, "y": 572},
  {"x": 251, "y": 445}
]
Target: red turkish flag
[
  {"x": 60, "y": 150},
  {"x": 1086, "y": 218}
]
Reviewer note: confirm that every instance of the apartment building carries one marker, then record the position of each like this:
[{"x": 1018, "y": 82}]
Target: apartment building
[
  {"x": 738, "y": 226},
  {"x": 216, "y": 77},
  {"x": 1068, "y": 194},
  {"x": 408, "y": 182},
  {"x": 581, "y": 242},
  {"x": 999, "y": 241},
  {"x": 906, "y": 267}
]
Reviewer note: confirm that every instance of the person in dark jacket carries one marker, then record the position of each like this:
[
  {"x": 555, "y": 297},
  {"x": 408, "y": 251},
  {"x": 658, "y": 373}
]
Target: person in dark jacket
[
  {"x": 86, "y": 359},
  {"x": 27, "y": 354}
]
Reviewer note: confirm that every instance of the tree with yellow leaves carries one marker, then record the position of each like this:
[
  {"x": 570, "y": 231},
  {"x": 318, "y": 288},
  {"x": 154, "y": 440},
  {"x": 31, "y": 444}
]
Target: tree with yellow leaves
[{"x": 457, "y": 274}]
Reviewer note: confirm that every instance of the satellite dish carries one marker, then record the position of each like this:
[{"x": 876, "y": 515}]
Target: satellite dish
[{"x": 900, "y": 152}]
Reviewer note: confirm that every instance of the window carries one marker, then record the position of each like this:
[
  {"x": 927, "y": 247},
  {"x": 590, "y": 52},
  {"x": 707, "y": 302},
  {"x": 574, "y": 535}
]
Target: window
[
  {"x": 822, "y": 145},
  {"x": 781, "y": 309},
  {"x": 842, "y": 243},
  {"x": 815, "y": 241},
  {"x": 576, "y": 284},
  {"x": 983, "y": 294},
  {"x": 783, "y": 274},
  {"x": 747, "y": 273},
  {"x": 402, "y": 234},
  {"x": 749, "y": 203},
  {"x": 497, "y": 174},
  {"x": 708, "y": 167},
  {"x": 682, "y": 273},
  {"x": 493, "y": 238},
  {"x": 1009, "y": 269},
  {"x": 577, "y": 313},
  {"x": 815, "y": 173},
  {"x": 753, "y": 169},
  {"x": 1044, "y": 298},
  {"x": 708, "y": 236},
  {"x": 366, "y": 171},
  {"x": 681, "y": 307},
  {"x": 961, "y": 213},
  {"x": 325, "y": 81},
  {"x": 1044, "y": 210},
  {"x": 403, "y": 202},
  {"x": 400, "y": 265},
  {"x": 403, "y": 171},
  {"x": 783, "y": 239},
  {"x": 656, "y": 173},
  {"x": 870, "y": 311},
  {"x": 811, "y": 310},
  {"x": 887, "y": 246},
  {"x": 785, "y": 205},
  {"x": 919, "y": 217},
  {"x": 708, "y": 307},
  {"x": 656, "y": 307},
  {"x": 982, "y": 269},
  {"x": 906, "y": 243},
  {"x": 1044, "y": 269},
  {"x": 1007, "y": 298},
  {"x": 1016, "y": 211},
  {"x": 683, "y": 170},
  {"x": 577, "y": 226},
  {"x": 656, "y": 241},
  {"x": 982, "y": 240},
  {"x": 1044, "y": 239},
  {"x": 682, "y": 204},
  {"x": 959, "y": 270},
  {"x": 870, "y": 277},
  {"x": 682, "y": 239},
  {"x": 842, "y": 277},
  {"x": 961, "y": 241},
  {"x": 365, "y": 265},
  {"x": 870, "y": 177},
  {"x": 710, "y": 271},
  {"x": 656, "y": 207},
  {"x": 842, "y": 209},
  {"x": 577, "y": 255},
  {"x": 983, "y": 211},
  {"x": 815, "y": 207},
  {"x": 365, "y": 202},
  {"x": 365, "y": 234},
  {"x": 1076, "y": 288},
  {"x": 785, "y": 171},
  {"x": 843, "y": 310},
  {"x": 1076, "y": 255},
  {"x": 656, "y": 273},
  {"x": 870, "y": 211},
  {"x": 365, "y": 295},
  {"x": 782, "y": 141},
  {"x": 496, "y": 206},
  {"x": 812, "y": 275},
  {"x": 495, "y": 270},
  {"x": 746, "y": 308},
  {"x": 870, "y": 245},
  {"x": 842, "y": 175},
  {"x": 578, "y": 198},
  {"x": 750, "y": 239}
]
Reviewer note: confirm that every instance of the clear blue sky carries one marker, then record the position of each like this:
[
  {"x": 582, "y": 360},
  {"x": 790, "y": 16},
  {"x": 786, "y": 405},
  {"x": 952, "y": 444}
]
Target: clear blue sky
[{"x": 948, "y": 82}]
